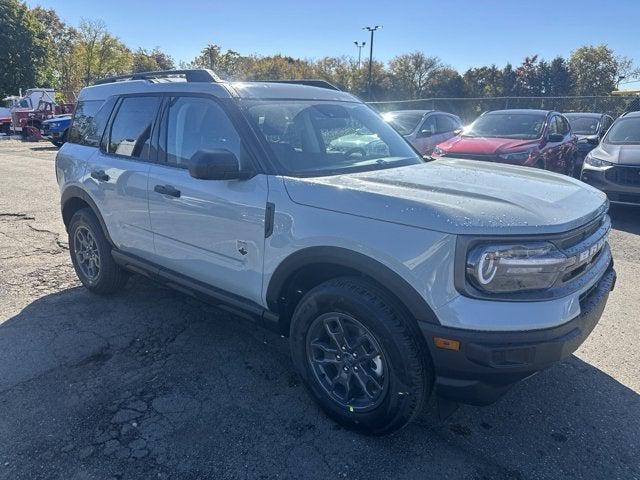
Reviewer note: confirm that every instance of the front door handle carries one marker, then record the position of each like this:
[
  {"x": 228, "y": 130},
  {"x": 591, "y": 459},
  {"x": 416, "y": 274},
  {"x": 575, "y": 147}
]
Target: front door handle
[
  {"x": 167, "y": 190},
  {"x": 100, "y": 175}
]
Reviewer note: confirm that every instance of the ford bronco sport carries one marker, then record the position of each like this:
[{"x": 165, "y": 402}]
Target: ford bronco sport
[{"x": 393, "y": 277}]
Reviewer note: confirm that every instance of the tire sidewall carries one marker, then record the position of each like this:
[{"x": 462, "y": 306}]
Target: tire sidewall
[
  {"x": 403, "y": 389},
  {"x": 84, "y": 219}
]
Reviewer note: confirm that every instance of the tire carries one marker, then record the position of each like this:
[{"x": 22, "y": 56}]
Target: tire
[
  {"x": 403, "y": 369},
  {"x": 106, "y": 276}
]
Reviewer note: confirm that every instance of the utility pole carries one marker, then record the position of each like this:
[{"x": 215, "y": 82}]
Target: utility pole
[
  {"x": 371, "y": 30},
  {"x": 360, "y": 45}
]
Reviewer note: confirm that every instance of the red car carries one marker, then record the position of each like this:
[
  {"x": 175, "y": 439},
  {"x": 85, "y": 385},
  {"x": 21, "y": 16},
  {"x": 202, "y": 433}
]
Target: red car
[{"x": 533, "y": 138}]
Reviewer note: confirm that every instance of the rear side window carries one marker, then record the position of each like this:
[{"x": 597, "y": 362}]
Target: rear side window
[
  {"x": 87, "y": 126},
  {"x": 130, "y": 134},
  {"x": 198, "y": 124}
]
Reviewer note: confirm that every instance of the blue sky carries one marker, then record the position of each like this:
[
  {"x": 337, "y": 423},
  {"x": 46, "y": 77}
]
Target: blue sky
[{"x": 463, "y": 33}]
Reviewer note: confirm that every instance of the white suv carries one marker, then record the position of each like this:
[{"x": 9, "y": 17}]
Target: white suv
[{"x": 393, "y": 277}]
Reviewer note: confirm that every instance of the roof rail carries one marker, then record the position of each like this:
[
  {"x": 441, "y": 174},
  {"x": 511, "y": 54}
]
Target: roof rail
[
  {"x": 199, "y": 75},
  {"x": 309, "y": 82}
]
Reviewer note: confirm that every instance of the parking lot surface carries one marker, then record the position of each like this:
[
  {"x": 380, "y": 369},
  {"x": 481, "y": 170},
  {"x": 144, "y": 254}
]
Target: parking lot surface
[{"x": 152, "y": 384}]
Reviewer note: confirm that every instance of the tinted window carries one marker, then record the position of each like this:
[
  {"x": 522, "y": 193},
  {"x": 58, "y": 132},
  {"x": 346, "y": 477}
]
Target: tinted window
[
  {"x": 624, "y": 131},
  {"x": 131, "y": 128},
  {"x": 507, "y": 125},
  {"x": 87, "y": 126},
  {"x": 198, "y": 124},
  {"x": 446, "y": 123},
  {"x": 584, "y": 125},
  {"x": 554, "y": 126},
  {"x": 430, "y": 125},
  {"x": 313, "y": 138},
  {"x": 563, "y": 126},
  {"x": 403, "y": 122}
]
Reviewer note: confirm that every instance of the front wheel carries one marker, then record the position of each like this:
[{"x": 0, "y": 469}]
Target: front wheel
[{"x": 360, "y": 356}]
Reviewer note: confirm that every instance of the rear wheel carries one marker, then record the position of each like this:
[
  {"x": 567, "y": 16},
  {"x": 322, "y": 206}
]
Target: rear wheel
[
  {"x": 91, "y": 255},
  {"x": 360, "y": 356}
]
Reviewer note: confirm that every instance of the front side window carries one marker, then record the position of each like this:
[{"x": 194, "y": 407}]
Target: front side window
[
  {"x": 196, "y": 124},
  {"x": 131, "y": 128},
  {"x": 86, "y": 128},
  {"x": 429, "y": 125},
  {"x": 624, "y": 131},
  {"x": 315, "y": 138},
  {"x": 403, "y": 122},
  {"x": 524, "y": 126},
  {"x": 446, "y": 124}
]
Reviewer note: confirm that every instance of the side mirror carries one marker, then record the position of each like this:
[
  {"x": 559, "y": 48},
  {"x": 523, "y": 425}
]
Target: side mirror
[
  {"x": 556, "y": 137},
  {"x": 458, "y": 131},
  {"x": 214, "y": 164},
  {"x": 425, "y": 133}
]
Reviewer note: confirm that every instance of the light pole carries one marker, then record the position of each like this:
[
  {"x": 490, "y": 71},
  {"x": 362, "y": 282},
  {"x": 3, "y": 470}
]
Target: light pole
[
  {"x": 371, "y": 30},
  {"x": 359, "y": 45}
]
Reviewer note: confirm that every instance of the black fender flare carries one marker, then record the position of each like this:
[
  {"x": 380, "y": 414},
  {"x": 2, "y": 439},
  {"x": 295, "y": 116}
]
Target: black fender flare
[
  {"x": 398, "y": 286},
  {"x": 72, "y": 192}
]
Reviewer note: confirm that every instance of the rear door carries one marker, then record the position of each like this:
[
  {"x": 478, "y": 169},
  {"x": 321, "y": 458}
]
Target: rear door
[
  {"x": 424, "y": 136},
  {"x": 208, "y": 230},
  {"x": 117, "y": 175}
]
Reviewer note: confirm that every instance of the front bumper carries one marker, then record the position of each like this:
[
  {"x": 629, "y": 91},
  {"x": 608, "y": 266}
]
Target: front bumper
[
  {"x": 489, "y": 363},
  {"x": 620, "y": 183}
]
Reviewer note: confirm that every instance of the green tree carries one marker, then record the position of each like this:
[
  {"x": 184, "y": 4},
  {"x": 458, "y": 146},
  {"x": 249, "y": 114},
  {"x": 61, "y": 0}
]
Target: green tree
[
  {"x": 483, "y": 82},
  {"x": 528, "y": 82},
  {"x": 99, "y": 54},
  {"x": 410, "y": 73},
  {"x": 23, "y": 48},
  {"x": 595, "y": 70},
  {"x": 445, "y": 82}
]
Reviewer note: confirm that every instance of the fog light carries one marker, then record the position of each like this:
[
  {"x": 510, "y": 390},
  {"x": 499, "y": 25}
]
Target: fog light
[{"x": 446, "y": 343}]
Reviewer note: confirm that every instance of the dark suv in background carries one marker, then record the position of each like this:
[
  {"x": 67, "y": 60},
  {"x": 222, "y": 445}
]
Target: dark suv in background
[
  {"x": 614, "y": 165},
  {"x": 589, "y": 128},
  {"x": 533, "y": 138}
]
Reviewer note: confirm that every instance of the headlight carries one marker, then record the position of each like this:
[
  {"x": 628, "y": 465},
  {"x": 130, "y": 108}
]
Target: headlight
[
  {"x": 54, "y": 125},
  {"x": 438, "y": 151},
  {"x": 596, "y": 162},
  {"x": 516, "y": 156},
  {"x": 515, "y": 268}
]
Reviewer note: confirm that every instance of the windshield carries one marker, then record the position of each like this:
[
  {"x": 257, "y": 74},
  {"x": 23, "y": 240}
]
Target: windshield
[
  {"x": 316, "y": 138},
  {"x": 625, "y": 131},
  {"x": 404, "y": 123},
  {"x": 583, "y": 125},
  {"x": 507, "y": 125}
]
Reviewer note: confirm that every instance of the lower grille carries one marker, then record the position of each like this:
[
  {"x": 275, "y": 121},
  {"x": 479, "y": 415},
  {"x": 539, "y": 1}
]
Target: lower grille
[{"x": 624, "y": 175}]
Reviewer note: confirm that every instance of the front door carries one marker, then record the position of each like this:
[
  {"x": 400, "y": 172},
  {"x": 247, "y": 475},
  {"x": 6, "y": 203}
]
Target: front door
[{"x": 208, "y": 230}]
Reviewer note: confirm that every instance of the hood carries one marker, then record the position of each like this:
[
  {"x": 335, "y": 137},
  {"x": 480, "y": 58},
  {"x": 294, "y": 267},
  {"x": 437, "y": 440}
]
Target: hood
[
  {"x": 620, "y": 154},
  {"x": 485, "y": 145},
  {"x": 457, "y": 196}
]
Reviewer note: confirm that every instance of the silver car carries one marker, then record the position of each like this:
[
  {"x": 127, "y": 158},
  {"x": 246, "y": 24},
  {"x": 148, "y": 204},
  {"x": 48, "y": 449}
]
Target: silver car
[
  {"x": 424, "y": 129},
  {"x": 393, "y": 278}
]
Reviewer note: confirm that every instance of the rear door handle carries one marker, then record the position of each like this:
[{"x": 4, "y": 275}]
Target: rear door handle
[
  {"x": 167, "y": 190},
  {"x": 100, "y": 175}
]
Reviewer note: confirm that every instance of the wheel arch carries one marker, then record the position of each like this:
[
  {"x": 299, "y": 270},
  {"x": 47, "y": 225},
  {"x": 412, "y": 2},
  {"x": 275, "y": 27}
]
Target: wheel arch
[
  {"x": 309, "y": 267},
  {"x": 75, "y": 198}
]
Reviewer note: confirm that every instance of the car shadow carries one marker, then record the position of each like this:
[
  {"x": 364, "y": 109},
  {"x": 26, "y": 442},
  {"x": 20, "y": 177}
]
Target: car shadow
[
  {"x": 625, "y": 218},
  {"x": 150, "y": 382}
]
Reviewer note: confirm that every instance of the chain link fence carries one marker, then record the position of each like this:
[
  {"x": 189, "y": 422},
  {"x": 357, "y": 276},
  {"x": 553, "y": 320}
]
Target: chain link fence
[{"x": 468, "y": 109}]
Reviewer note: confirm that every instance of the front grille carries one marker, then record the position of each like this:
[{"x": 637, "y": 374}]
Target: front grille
[
  {"x": 624, "y": 197},
  {"x": 624, "y": 175},
  {"x": 586, "y": 245},
  {"x": 471, "y": 156}
]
